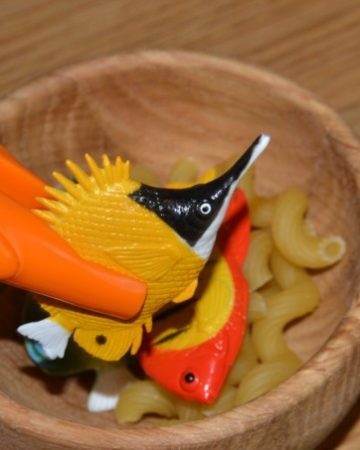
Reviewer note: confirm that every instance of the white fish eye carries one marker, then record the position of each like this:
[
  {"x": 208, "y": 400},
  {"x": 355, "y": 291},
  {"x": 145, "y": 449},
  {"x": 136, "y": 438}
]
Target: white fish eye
[{"x": 205, "y": 208}]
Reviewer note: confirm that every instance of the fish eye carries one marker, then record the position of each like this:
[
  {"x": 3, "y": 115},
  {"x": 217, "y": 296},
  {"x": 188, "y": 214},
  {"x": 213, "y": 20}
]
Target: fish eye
[
  {"x": 205, "y": 208},
  {"x": 189, "y": 380},
  {"x": 189, "y": 377}
]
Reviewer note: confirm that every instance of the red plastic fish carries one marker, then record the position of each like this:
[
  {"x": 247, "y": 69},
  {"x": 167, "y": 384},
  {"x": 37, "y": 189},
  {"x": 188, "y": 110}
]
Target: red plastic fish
[{"x": 198, "y": 372}]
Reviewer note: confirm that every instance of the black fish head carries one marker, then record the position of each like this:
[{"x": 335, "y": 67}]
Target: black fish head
[{"x": 196, "y": 213}]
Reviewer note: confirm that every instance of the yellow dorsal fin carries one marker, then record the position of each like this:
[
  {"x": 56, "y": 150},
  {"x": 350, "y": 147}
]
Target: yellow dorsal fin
[
  {"x": 76, "y": 190},
  {"x": 61, "y": 196},
  {"x": 48, "y": 216},
  {"x": 108, "y": 169},
  {"x": 81, "y": 177},
  {"x": 100, "y": 179},
  {"x": 97, "y": 173}
]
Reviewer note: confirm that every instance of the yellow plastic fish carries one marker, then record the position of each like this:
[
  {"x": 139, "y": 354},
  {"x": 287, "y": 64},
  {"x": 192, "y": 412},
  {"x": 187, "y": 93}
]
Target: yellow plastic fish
[{"x": 161, "y": 236}]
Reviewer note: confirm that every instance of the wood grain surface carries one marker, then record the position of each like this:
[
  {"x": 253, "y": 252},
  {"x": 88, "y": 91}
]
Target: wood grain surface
[{"x": 315, "y": 43}]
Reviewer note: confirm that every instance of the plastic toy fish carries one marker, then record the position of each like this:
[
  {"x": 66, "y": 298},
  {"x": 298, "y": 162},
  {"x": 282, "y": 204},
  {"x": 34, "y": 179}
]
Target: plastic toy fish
[
  {"x": 34, "y": 257},
  {"x": 110, "y": 377},
  {"x": 158, "y": 235},
  {"x": 193, "y": 358},
  {"x": 207, "y": 347}
]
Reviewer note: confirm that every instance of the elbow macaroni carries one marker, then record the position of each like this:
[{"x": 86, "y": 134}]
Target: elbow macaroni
[
  {"x": 257, "y": 307},
  {"x": 256, "y": 267},
  {"x": 282, "y": 308},
  {"x": 263, "y": 377},
  {"x": 293, "y": 238}
]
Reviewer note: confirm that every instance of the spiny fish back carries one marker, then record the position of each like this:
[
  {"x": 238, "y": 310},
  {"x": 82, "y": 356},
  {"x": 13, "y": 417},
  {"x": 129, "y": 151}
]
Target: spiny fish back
[{"x": 101, "y": 182}]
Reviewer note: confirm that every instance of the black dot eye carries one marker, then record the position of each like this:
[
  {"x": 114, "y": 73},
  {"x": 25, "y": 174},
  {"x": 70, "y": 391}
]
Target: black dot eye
[
  {"x": 205, "y": 208},
  {"x": 189, "y": 377},
  {"x": 189, "y": 381},
  {"x": 101, "y": 339}
]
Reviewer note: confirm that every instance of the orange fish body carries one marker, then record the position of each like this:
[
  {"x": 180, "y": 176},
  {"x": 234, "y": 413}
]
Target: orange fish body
[{"x": 198, "y": 372}]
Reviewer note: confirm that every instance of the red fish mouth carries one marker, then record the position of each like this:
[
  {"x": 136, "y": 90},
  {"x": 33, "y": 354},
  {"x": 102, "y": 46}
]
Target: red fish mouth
[
  {"x": 207, "y": 393},
  {"x": 208, "y": 396},
  {"x": 199, "y": 383}
]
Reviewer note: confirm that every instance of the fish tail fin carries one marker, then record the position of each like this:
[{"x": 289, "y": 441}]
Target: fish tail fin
[
  {"x": 105, "y": 392},
  {"x": 52, "y": 337}
]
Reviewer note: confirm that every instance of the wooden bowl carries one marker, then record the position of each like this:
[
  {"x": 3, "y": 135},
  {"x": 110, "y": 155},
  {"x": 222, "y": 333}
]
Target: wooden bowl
[{"x": 152, "y": 108}]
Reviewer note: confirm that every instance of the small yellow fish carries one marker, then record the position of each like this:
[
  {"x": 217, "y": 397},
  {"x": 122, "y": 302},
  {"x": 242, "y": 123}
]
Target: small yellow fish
[{"x": 158, "y": 235}]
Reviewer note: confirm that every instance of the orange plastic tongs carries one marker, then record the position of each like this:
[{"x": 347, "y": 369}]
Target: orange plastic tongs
[{"x": 36, "y": 258}]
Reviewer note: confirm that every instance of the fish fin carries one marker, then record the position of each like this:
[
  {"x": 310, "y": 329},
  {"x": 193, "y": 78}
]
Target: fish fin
[
  {"x": 75, "y": 360},
  {"x": 217, "y": 303},
  {"x": 9, "y": 263},
  {"x": 105, "y": 392},
  {"x": 136, "y": 341},
  {"x": 52, "y": 336},
  {"x": 187, "y": 293},
  {"x": 152, "y": 260},
  {"x": 148, "y": 324},
  {"x": 110, "y": 344}
]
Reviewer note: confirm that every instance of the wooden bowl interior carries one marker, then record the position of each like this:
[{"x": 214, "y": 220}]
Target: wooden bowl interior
[{"x": 153, "y": 111}]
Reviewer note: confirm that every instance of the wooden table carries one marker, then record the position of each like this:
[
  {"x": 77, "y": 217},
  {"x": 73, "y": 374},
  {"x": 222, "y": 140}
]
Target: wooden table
[{"x": 314, "y": 42}]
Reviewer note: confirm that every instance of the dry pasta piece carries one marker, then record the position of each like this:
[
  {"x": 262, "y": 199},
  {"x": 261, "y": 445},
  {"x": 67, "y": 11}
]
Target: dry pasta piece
[
  {"x": 225, "y": 402},
  {"x": 261, "y": 211},
  {"x": 186, "y": 410},
  {"x": 256, "y": 267},
  {"x": 264, "y": 377},
  {"x": 143, "y": 175},
  {"x": 293, "y": 239},
  {"x": 257, "y": 307},
  {"x": 261, "y": 208},
  {"x": 144, "y": 397},
  {"x": 183, "y": 171},
  {"x": 269, "y": 289},
  {"x": 285, "y": 273},
  {"x": 246, "y": 360},
  {"x": 224, "y": 166},
  {"x": 283, "y": 307}
]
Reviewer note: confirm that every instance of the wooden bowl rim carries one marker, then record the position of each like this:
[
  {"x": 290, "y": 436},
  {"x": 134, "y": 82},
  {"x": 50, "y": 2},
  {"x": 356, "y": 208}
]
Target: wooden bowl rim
[{"x": 253, "y": 414}]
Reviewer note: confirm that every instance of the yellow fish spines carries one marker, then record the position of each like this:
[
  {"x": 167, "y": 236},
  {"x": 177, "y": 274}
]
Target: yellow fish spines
[
  {"x": 101, "y": 179},
  {"x": 99, "y": 219}
]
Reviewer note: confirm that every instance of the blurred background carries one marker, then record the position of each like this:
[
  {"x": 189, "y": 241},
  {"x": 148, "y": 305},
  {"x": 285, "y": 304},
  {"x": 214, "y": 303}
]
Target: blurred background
[{"x": 316, "y": 43}]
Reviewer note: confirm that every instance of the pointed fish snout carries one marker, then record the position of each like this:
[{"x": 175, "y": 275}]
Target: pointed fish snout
[{"x": 245, "y": 161}]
